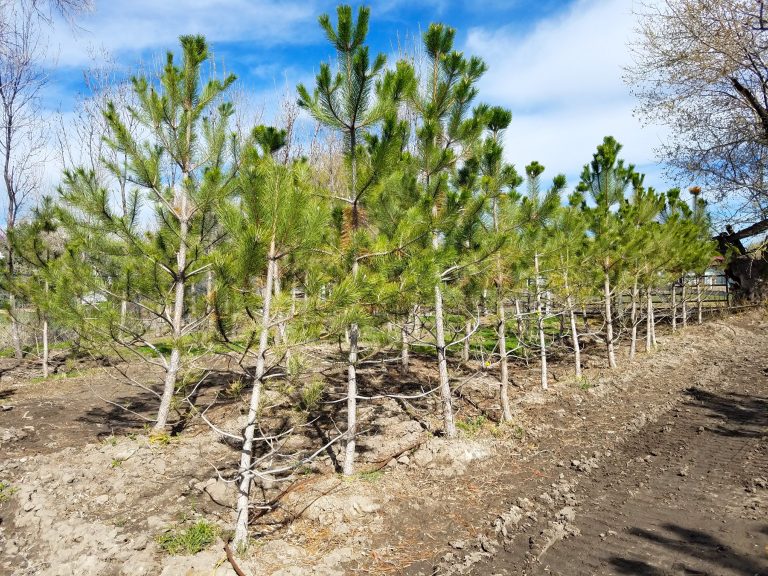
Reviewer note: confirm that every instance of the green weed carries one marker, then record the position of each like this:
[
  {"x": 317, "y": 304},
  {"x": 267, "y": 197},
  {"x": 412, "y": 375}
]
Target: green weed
[
  {"x": 6, "y": 491},
  {"x": 472, "y": 425},
  {"x": 235, "y": 388},
  {"x": 160, "y": 438},
  {"x": 188, "y": 540},
  {"x": 584, "y": 383},
  {"x": 110, "y": 440},
  {"x": 371, "y": 476}
]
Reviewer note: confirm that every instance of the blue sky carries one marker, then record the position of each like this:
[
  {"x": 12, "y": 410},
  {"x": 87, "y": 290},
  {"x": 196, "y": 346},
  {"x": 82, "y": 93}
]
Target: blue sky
[{"x": 557, "y": 64}]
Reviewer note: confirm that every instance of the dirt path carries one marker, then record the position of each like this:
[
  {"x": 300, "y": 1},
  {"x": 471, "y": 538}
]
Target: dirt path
[{"x": 685, "y": 496}]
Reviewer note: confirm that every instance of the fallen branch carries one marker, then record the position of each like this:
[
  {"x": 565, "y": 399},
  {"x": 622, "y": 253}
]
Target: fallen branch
[{"x": 232, "y": 561}]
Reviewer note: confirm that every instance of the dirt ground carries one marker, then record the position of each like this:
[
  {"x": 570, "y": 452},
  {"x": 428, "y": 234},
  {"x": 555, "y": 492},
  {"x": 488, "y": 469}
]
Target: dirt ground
[{"x": 658, "y": 467}]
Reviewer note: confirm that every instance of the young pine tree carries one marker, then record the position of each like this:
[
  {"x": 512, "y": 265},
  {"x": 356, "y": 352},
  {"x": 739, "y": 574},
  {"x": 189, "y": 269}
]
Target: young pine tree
[
  {"x": 605, "y": 181},
  {"x": 446, "y": 131},
  {"x": 273, "y": 218},
  {"x": 181, "y": 171},
  {"x": 537, "y": 214},
  {"x": 354, "y": 102}
]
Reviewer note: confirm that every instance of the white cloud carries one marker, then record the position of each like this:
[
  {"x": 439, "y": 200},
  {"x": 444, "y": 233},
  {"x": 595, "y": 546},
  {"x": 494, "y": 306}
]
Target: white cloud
[
  {"x": 123, "y": 27},
  {"x": 563, "y": 82}
]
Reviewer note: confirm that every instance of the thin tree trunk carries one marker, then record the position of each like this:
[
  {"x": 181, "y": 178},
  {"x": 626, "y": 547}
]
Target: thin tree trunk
[
  {"x": 174, "y": 364},
  {"x": 608, "y": 318},
  {"x": 574, "y": 331},
  {"x": 506, "y": 412},
  {"x": 648, "y": 320},
  {"x": 519, "y": 319},
  {"x": 540, "y": 326},
  {"x": 353, "y": 338},
  {"x": 45, "y": 336},
  {"x": 404, "y": 346},
  {"x": 467, "y": 334},
  {"x": 10, "y": 223},
  {"x": 633, "y": 320},
  {"x": 281, "y": 335},
  {"x": 674, "y": 308},
  {"x": 349, "y": 449},
  {"x": 698, "y": 298},
  {"x": 245, "y": 472},
  {"x": 15, "y": 331},
  {"x": 584, "y": 318},
  {"x": 684, "y": 305},
  {"x": 442, "y": 365},
  {"x": 209, "y": 296}
]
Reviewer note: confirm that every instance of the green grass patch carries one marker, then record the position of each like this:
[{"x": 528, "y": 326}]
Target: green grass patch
[
  {"x": 189, "y": 540},
  {"x": 472, "y": 426},
  {"x": 371, "y": 476},
  {"x": 6, "y": 491},
  {"x": 585, "y": 383}
]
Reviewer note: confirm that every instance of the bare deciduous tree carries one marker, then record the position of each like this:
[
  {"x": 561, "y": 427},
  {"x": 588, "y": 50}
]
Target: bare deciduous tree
[
  {"x": 22, "y": 136},
  {"x": 701, "y": 68}
]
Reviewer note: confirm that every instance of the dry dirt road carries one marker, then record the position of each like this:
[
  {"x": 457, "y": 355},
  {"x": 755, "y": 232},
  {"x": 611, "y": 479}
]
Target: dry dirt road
[{"x": 685, "y": 495}]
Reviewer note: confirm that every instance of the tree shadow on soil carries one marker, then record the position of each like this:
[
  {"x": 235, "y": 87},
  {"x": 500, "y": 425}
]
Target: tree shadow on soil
[
  {"x": 746, "y": 416},
  {"x": 695, "y": 544},
  {"x": 133, "y": 412}
]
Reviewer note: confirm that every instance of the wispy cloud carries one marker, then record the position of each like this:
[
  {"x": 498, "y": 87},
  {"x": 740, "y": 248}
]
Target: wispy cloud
[{"x": 132, "y": 28}]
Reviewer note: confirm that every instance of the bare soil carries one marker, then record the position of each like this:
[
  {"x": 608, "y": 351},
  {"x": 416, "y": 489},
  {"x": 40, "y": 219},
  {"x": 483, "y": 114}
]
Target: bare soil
[{"x": 658, "y": 467}]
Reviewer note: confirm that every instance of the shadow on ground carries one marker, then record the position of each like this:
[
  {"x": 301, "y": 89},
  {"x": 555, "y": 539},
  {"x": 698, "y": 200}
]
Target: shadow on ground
[{"x": 697, "y": 545}]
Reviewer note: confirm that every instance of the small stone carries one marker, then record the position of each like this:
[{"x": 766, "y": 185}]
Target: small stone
[
  {"x": 568, "y": 514},
  {"x": 700, "y": 429},
  {"x": 140, "y": 543},
  {"x": 525, "y": 504},
  {"x": 457, "y": 544}
]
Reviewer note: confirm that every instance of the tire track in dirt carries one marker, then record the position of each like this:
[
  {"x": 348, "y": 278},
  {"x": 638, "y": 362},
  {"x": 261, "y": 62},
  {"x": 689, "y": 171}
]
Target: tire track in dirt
[{"x": 685, "y": 495}]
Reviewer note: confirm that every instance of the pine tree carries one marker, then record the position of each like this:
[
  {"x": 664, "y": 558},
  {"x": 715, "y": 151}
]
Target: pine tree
[
  {"x": 537, "y": 212},
  {"x": 273, "y": 218},
  {"x": 181, "y": 171},
  {"x": 499, "y": 181},
  {"x": 605, "y": 181},
  {"x": 354, "y": 102},
  {"x": 569, "y": 248},
  {"x": 638, "y": 216},
  {"x": 445, "y": 133},
  {"x": 38, "y": 245}
]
